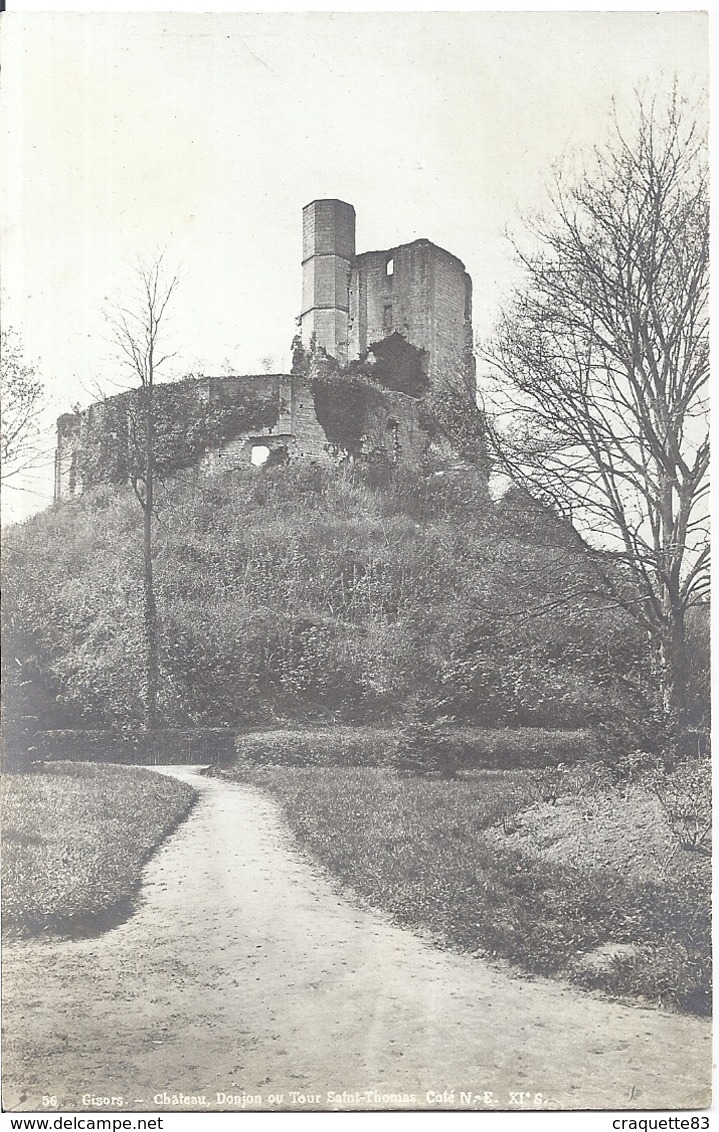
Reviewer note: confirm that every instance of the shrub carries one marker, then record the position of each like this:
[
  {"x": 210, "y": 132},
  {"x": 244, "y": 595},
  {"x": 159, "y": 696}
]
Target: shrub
[
  {"x": 132, "y": 745},
  {"x": 331, "y": 746},
  {"x": 523, "y": 747},
  {"x": 634, "y": 767},
  {"x": 549, "y": 783},
  {"x": 650, "y": 731},
  {"x": 685, "y": 797},
  {"x": 427, "y": 749}
]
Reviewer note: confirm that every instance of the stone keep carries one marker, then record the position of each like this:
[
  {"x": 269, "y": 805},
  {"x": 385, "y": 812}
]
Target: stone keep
[
  {"x": 350, "y": 301},
  {"x": 328, "y": 252}
]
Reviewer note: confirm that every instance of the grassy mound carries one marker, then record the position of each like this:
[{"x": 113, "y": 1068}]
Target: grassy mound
[
  {"x": 314, "y": 596},
  {"x": 428, "y": 852},
  {"x": 75, "y": 839}
]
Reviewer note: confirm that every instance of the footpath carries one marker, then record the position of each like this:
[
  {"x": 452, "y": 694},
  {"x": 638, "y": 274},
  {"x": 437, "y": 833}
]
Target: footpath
[{"x": 246, "y": 981}]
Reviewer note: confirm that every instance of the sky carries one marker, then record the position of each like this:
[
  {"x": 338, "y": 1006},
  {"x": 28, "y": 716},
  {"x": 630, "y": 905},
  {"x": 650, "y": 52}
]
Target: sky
[{"x": 204, "y": 134}]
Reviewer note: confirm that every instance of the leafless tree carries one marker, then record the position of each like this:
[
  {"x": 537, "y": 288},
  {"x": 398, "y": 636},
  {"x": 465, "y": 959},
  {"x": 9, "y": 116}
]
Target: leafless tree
[
  {"x": 23, "y": 399},
  {"x": 136, "y": 330},
  {"x": 601, "y": 369}
]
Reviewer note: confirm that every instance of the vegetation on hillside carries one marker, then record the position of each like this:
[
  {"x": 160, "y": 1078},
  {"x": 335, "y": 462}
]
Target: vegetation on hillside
[
  {"x": 75, "y": 840},
  {"x": 483, "y": 724},
  {"x": 360, "y": 593}
]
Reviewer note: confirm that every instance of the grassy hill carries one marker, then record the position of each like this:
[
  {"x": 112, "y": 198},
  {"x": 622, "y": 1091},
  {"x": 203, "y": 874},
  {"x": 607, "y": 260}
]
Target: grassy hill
[{"x": 306, "y": 593}]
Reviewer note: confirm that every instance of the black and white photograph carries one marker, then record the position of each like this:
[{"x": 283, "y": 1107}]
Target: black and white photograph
[{"x": 355, "y": 564}]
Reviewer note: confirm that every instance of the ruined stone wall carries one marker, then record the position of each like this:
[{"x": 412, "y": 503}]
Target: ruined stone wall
[
  {"x": 417, "y": 290},
  {"x": 67, "y": 453},
  {"x": 236, "y": 451},
  {"x": 93, "y": 447},
  {"x": 394, "y": 431},
  {"x": 350, "y": 301},
  {"x": 199, "y": 422},
  {"x": 452, "y": 338},
  {"x": 414, "y": 295},
  {"x": 310, "y": 442}
]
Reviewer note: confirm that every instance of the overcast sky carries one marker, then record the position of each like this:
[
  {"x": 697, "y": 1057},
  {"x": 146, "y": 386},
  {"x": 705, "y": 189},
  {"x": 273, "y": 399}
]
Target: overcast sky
[{"x": 207, "y": 133}]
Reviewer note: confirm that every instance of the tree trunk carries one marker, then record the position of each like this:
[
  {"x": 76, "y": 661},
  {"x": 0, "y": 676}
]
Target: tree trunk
[
  {"x": 152, "y": 674},
  {"x": 673, "y": 653}
]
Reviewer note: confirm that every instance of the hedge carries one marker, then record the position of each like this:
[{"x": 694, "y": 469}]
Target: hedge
[{"x": 171, "y": 745}]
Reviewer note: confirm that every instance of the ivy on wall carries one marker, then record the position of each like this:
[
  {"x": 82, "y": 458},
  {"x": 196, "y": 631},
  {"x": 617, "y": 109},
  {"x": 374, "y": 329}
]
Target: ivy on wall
[
  {"x": 186, "y": 425},
  {"x": 342, "y": 407},
  {"x": 346, "y": 397},
  {"x": 451, "y": 416},
  {"x": 396, "y": 364}
]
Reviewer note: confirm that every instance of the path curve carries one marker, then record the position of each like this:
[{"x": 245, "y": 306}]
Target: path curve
[{"x": 244, "y": 971}]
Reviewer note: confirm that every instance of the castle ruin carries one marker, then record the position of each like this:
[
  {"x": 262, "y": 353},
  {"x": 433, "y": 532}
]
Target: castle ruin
[
  {"x": 412, "y": 303},
  {"x": 351, "y": 301}
]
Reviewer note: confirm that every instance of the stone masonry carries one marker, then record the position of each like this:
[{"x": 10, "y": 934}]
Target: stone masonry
[{"x": 349, "y": 303}]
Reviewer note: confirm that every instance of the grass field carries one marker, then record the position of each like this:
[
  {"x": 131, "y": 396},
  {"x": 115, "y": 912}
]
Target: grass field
[
  {"x": 75, "y": 839},
  {"x": 428, "y": 852}
]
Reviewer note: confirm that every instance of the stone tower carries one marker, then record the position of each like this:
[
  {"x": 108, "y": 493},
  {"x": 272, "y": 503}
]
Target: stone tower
[{"x": 328, "y": 250}]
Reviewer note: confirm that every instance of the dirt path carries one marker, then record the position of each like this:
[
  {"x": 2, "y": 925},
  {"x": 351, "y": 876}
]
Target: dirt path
[{"x": 244, "y": 972}]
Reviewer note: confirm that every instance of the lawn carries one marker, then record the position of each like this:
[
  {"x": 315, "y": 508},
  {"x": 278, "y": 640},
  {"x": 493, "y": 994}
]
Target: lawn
[
  {"x": 75, "y": 839},
  {"x": 441, "y": 856}
]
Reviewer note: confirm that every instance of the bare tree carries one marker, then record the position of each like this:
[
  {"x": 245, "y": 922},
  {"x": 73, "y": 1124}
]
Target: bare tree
[
  {"x": 136, "y": 332},
  {"x": 602, "y": 362},
  {"x": 23, "y": 399}
]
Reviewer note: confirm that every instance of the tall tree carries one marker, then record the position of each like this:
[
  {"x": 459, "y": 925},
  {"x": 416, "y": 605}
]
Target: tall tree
[
  {"x": 22, "y": 401},
  {"x": 603, "y": 367},
  {"x": 137, "y": 334}
]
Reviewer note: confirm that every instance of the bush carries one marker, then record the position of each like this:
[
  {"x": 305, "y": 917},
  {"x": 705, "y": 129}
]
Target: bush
[
  {"x": 166, "y": 746},
  {"x": 332, "y": 746},
  {"x": 685, "y": 797},
  {"x": 652, "y": 732},
  {"x": 427, "y": 749},
  {"x": 418, "y": 747},
  {"x": 523, "y": 747}
]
